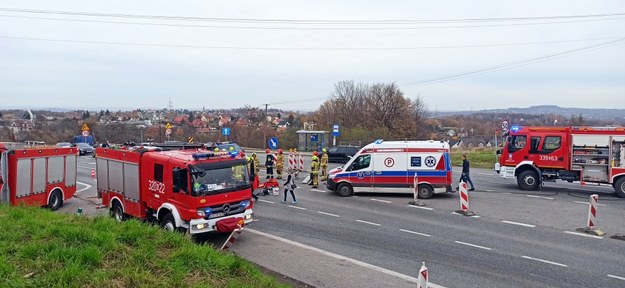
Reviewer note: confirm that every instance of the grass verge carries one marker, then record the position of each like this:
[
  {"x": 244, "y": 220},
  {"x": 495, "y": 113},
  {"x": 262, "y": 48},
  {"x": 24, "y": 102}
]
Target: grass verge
[
  {"x": 39, "y": 248},
  {"x": 479, "y": 157}
]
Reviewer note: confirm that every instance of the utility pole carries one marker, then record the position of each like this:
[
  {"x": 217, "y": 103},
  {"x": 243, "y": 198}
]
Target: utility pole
[{"x": 265, "y": 127}]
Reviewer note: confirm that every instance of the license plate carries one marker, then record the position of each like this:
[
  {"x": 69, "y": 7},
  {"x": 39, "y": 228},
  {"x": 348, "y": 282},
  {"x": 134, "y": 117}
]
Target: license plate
[{"x": 216, "y": 215}]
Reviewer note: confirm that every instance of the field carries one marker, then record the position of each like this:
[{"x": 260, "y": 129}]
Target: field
[
  {"x": 479, "y": 157},
  {"x": 39, "y": 248}
]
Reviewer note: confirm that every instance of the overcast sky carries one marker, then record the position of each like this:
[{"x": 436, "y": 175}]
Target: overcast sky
[{"x": 53, "y": 74}]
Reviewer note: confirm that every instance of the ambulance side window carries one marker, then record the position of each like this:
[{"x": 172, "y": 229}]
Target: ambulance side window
[
  {"x": 415, "y": 161},
  {"x": 361, "y": 162}
]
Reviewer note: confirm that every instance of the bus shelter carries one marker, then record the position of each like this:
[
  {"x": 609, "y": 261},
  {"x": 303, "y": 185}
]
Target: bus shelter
[{"x": 312, "y": 140}]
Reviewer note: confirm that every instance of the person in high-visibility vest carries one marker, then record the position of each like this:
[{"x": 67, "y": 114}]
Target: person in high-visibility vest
[
  {"x": 256, "y": 164},
  {"x": 279, "y": 164},
  {"x": 314, "y": 171},
  {"x": 324, "y": 164},
  {"x": 237, "y": 172}
]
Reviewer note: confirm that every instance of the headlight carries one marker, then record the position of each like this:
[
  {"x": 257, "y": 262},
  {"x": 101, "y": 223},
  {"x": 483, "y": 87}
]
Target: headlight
[
  {"x": 332, "y": 176},
  {"x": 201, "y": 213}
]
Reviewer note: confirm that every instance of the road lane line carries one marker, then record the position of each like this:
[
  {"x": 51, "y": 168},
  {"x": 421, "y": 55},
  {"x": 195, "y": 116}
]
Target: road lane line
[
  {"x": 583, "y": 234},
  {"x": 297, "y": 207},
  {"x": 86, "y": 167},
  {"x": 383, "y": 201},
  {"x": 87, "y": 186},
  {"x": 473, "y": 245},
  {"x": 518, "y": 223},
  {"x": 416, "y": 233},
  {"x": 367, "y": 222},
  {"x": 540, "y": 197},
  {"x": 586, "y": 203},
  {"x": 616, "y": 277},
  {"x": 419, "y": 207},
  {"x": 328, "y": 214},
  {"x": 266, "y": 201},
  {"x": 317, "y": 190},
  {"x": 544, "y": 261},
  {"x": 341, "y": 257}
]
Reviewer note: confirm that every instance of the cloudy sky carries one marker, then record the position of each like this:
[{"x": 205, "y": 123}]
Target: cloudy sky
[{"x": 226, "y": 54}]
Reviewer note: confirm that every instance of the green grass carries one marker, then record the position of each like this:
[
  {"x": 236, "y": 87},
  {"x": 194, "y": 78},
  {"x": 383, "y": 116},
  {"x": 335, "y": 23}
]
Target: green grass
[
  {"x": 479, "y": 157},
  {"x": 39, "y": 248}
]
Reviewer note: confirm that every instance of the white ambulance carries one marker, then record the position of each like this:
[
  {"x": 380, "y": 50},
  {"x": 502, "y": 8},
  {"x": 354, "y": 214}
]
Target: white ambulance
[{"x": 391, "y": 167}]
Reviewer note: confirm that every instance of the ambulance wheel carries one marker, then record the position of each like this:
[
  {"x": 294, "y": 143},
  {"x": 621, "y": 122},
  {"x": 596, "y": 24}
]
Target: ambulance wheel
[
  {"x": 56, "y": 200},
  {"x": 345, "y": 190},
  {"x": 528, "y": 180},
  {"x": 118, "y": 212},
  {"x": 619, "y": 187},
  {"x": 168, "y": 222},
  {"x": 425, "y": 192}
]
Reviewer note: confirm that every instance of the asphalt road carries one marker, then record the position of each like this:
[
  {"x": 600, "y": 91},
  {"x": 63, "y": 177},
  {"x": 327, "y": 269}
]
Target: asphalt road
[{"x": 518, "y": 240}]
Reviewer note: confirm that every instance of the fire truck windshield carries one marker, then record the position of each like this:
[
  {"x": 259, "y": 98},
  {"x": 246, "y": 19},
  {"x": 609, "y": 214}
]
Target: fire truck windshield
[{"x": 216, "y": 179}]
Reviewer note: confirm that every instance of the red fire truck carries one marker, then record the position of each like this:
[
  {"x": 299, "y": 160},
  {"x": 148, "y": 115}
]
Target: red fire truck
[
  {"x": 586, "y": 154},
  {"x": 192, "y": 190},
  {"x": 41, "y": 176}
]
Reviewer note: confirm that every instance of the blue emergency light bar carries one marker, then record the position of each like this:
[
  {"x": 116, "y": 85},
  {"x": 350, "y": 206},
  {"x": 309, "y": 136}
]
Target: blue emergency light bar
[
  {"x": 379, "y": 141},
  {"x": 515, "y": 128},
  {"x": 197, "y": 156}
]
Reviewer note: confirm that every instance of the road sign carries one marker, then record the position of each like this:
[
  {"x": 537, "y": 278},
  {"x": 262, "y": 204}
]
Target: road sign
[
  {"x": 85, "y": 133},
  {"x": 273, "y": 143},
  {"x": 168, "y": 131},
  {"x": 225, "y": 131},
  {"x": 168, "y": 126},
  {"x": 335, "y": 130},
  {"x": 505, "y": 125}
]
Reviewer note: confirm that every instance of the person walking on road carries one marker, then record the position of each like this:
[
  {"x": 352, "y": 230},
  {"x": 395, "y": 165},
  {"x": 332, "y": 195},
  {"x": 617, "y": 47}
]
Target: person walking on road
[
  {"x": 289, "y": 187},
  {"x": 466, "y": 177}
]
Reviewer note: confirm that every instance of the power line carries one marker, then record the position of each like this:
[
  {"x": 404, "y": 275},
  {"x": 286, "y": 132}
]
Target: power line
[
  {"x": 306, "y": 48},
  {"x": 312, "y": 21},
  {"x": 308, "y": 28},
  {"x": 512, "y": 64}
]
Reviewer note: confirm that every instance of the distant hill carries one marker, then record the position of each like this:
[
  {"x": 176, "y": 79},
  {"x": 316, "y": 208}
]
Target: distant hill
[{"x": 588, "y": 113}]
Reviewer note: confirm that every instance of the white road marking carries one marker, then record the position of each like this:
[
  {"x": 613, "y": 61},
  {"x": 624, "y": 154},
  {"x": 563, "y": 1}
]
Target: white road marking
[
  {"x": 518, "y": 223},
  {"x": 367, "y": 222},
  {"x": 86, "y": 167},
  {"x": 420, "y": 207},
  {"x": 416, "y": 233},
  {"x": 473, "y": 245},
  {"x": 87, "y": 186},
  {"x": 545, "y": 261},
  {"x": 341, "y": 257},
  {"x": 91, "y": 163},
  {"x": 266, "y": 201},
  {"x": 317, "y": 190},
  {"x": 487, "y": 174},
  {"x": 540, "y": 197},
  {"x": 586, "y": 203},
  {"x": 328, "y": 214},
  {"x": 616, "y": 277},
  {"x": 583, "y": 234},
  {"x": 297, "y": 207},
  {"x": 383, "y": 201}
]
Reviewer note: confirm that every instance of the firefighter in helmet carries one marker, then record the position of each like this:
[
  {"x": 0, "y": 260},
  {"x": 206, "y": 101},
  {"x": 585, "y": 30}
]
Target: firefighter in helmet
[
  {"x": 216, "y": 149},
  {"x": 270, "y": 162},
  {"x": 324, "y": 164},
  {"x": 279, "y": 164},
  {"x": 256, "y": 164},
  {"x": 314, "y": 171}
]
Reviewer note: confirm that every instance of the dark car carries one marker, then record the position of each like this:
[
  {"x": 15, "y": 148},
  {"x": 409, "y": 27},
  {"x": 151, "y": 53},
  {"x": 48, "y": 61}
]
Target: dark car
[
  {"x": 341, "y": 154},
  {"x": 84, "y": 148}
]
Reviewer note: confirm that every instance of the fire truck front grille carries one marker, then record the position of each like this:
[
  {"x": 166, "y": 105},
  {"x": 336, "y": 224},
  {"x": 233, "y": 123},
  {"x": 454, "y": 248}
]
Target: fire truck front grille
[{"x": 226, "y": 209}]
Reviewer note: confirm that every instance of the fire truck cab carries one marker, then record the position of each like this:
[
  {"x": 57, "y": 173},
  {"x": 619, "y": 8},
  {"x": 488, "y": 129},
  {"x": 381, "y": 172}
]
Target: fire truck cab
[
  {"x": 37, "y": 176},
  {"x": 533, "y": 155},
  {"x": 185, "y": 190}
]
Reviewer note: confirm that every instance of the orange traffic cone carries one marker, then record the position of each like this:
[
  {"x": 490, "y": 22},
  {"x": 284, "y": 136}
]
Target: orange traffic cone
[{"x": 92, "y": 173}]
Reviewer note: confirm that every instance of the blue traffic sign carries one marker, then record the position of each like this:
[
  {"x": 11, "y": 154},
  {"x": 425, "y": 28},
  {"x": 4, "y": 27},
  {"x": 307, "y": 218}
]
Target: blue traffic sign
[
  {"x": 225, "y": 131},
  {"x": 335, "y": 130},
  {"x": 273, "y": 142}
]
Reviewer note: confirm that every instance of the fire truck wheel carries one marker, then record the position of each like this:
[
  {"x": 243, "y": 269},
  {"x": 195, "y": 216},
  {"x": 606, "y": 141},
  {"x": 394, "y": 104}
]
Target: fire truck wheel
[
  {"x": 528, "y": 180},
  {"x": 168, "y": 222},
  {"x": 345, "y": 190},
  {"x": 619, "y": 187},
  {"x": 425, "y": 191},
  {"x": 56, "y": 200},
  {"x": 118, "y": 212}
]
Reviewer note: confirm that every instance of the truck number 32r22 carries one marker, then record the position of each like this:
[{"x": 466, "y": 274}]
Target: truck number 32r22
[
  {"x": 548, "y": 158},
  {"x": 156, "y": 186}
]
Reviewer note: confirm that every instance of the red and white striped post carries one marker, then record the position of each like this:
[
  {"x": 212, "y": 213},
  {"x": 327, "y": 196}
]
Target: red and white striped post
[
  {"x": 592, "y": 211},
  {"x": 423, "y": 279},
  {"x": 301, "y": 162},
  {"x": 290, "y": 159},
  {"x": 463, "y": 192},
  {"x": 232, "y": 238},
  {"x": 415, "y": 201}
]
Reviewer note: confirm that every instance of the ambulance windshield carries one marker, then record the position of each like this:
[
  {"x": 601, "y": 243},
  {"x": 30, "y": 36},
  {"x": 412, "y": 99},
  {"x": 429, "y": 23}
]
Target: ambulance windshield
[{"x": 219, "y": 179}]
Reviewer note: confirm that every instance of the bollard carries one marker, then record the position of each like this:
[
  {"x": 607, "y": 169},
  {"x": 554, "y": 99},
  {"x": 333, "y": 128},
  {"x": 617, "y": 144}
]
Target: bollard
[
  {"x": 290, "y": 160},
  {"x": 92, "y": 173},
  {"x": 423, "y": 279},
  {"x": 301, "y": 163},
  {"x": 591, "y": 227},
  {"x": 464, "y": 200},
  {"x": 415, "y": 201}
]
